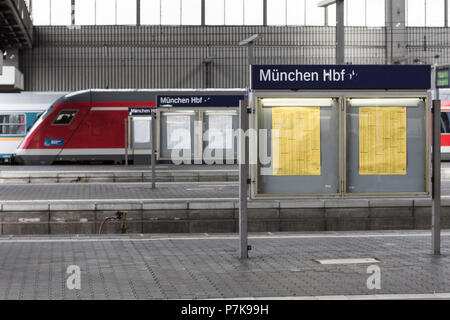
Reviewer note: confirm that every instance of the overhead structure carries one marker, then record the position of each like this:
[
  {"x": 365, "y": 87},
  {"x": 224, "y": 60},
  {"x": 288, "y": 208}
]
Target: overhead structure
[
  {"x": 340, "y": 34},
  {"x": 16, "y": 28},
  {"x": 396, "y": 34},
  {"x": 249, "y": 43}
]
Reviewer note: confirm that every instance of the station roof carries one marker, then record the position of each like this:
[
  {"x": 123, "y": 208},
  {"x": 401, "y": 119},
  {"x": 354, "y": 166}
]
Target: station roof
[{"x": 16, "y": 28}]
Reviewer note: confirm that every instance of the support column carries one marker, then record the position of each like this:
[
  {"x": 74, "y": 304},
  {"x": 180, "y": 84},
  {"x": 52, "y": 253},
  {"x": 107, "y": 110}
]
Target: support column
[
  {"x": 138, "y": 12},
  {"x": 203, "y": 13},
  {"x": 436, "y": 179},
  {"x": 207, "y": 62},
  {"x": 396, "y": 34},
  {"x": 340, "y": 32},
  {"x": 153, "y": 137},
  {"x": 243, "y": 179},
  {"x": 264, "y": 12},
  {"x": 340, "y": 26},
  {"x": 72, "y": 13}
]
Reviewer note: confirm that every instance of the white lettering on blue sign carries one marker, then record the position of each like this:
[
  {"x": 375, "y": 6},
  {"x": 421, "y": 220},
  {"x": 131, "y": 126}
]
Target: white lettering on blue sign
[
  {"x": 275, "y": 75},
  {"x": 328, "y": 75},
  {"x": 196, "y": 100},
  {"x": 333, "y": 75},
  {"x": 173, "y": 100}
]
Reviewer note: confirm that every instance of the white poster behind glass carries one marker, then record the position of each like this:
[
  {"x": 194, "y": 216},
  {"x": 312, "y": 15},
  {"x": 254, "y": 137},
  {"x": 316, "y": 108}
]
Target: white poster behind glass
[
  {"x": 178, "y": 132},
  {"x": 141, "y": 130},
  {"x": 220, "y": 129}
]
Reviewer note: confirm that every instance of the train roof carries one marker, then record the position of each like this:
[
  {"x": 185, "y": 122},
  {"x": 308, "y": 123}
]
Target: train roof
[{"x": 28, "y": 101}]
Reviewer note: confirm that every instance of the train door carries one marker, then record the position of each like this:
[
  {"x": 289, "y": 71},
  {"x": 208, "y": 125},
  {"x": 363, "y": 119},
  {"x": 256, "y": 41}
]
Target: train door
[{"x": 140, "y": 137}]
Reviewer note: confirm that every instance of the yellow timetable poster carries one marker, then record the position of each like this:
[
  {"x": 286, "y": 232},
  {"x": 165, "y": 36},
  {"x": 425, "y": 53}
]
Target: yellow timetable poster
[
  {"x": 382, "y": 140},
  {"x": 296, "y": 141}
]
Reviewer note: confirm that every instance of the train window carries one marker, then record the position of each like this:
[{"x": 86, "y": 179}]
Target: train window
[
  {"x": 12, "y": 124},
  {"x": 65, "y": 117},
  {"x": 445, "y": 122}
]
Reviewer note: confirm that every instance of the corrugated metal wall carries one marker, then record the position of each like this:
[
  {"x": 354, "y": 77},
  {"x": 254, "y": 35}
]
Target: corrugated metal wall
[
  {"x": 429, "y": 45},
  {"x": 67, "y": 59}
]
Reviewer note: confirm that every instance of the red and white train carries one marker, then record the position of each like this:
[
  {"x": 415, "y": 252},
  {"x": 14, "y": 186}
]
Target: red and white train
[
  {"x": 90, "y": 125},
  {"x": 444, "y": 96},
  {"x": 445, "y": 130}
]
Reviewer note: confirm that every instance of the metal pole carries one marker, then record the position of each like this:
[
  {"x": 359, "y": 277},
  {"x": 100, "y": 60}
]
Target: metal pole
[
  {"x": 445, "y": 16},
  {"x": 250, "y": 60},
  {"x": 250, "y": 53},
  {"x": 126, "y": 141},
  {"x": 436, "y": 180},
  {"x": 203, "y": 14},
  {"x": 264, "y": 12},
  {"x": 153, "y": 149},
  {"x": 72, "y": 14},
  {"x": 130, "y": 139},
  {"x": 138, "y": 12},
  {"x": 340, "y": 32},
  {"x": 243, "y": 180}
]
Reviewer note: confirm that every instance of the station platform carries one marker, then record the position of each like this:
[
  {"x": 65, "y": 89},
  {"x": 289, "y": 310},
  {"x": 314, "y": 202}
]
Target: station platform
[
  {"x": 204, "y": 266},
  {"x": 192, "y": 207},
  {"x": 116, "y": 173},
  {"x": 11, "y": 174},
  {"x": 44, "y": 208}
]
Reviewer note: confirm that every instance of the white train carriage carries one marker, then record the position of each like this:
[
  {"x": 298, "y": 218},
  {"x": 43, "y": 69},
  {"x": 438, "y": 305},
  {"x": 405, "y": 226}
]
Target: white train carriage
[{"x": 18, "y": 113}]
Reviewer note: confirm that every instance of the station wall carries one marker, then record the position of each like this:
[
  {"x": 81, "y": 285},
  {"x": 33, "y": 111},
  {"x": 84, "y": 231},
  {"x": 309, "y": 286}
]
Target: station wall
[{"x": 81, "y": 57}]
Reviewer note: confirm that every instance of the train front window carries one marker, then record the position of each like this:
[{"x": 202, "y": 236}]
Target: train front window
[
  {"x": 65, "y": 117},
  {"x": 445, "y": 122},
  {"x": 12, "y": 124}
]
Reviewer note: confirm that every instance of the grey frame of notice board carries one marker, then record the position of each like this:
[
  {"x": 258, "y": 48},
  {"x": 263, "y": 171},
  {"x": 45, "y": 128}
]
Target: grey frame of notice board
[{"x": 418, "y": 157}]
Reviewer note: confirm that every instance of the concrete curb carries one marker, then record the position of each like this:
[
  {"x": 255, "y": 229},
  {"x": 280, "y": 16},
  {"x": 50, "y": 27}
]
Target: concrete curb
[{"x": 217, "y": 215}]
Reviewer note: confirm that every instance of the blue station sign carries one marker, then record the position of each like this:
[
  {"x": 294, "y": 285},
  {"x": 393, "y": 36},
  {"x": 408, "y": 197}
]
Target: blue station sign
[
  {"x": 297, "y": 77},
  {"x": 199, "y": 101}
]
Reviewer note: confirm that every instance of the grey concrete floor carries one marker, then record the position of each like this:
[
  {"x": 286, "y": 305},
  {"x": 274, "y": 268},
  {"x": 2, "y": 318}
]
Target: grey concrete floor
[
  {"x": 118, "y": 191},
  {"x": 207, "y": 266},
  {"x": 130, "y": 191}
]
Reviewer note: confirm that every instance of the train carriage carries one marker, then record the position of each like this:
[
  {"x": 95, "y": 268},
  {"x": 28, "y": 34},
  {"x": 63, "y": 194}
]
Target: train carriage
[
  {"x": 90, "y": 125},
  {"x": 18, "y": 112},
  {"x": 444, "y": 96}
]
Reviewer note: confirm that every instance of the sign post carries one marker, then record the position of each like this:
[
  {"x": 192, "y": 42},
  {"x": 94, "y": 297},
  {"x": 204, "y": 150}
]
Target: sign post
[
  {"x": 442, "y": 80},
  {"x": 243, "y": 179},
  {"x": 153, "y": 137},
  {"x": 436, "y": 181},
  {"x": 126, "y": 141}
]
